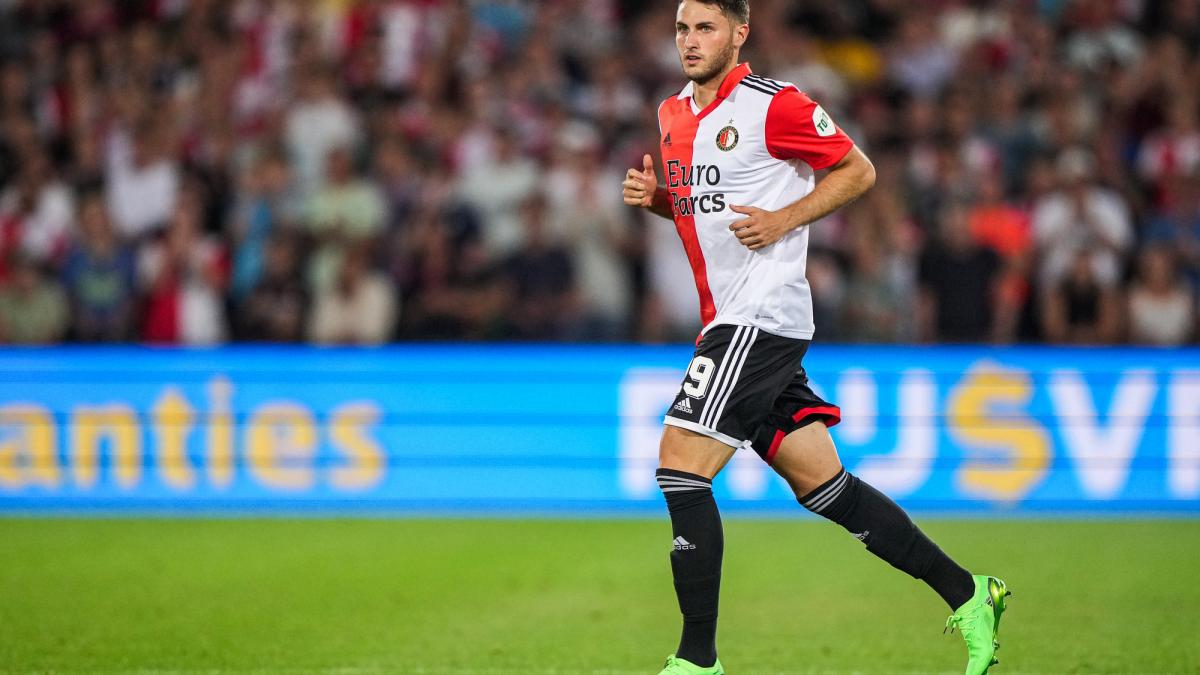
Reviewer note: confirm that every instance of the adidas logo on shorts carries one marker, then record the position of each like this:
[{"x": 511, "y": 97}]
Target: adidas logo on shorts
[{"x": 684, "y": 406}]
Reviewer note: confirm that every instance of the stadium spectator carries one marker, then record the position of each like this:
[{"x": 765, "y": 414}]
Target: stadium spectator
[
  {"x": 1081, "y": 217},
  {"x": 143, "y": 179},
  {"x": 100, "y": 277},
  {"x": 359, "y": 308},
  {"x": 37, "y": 212},
  {"x": 1081, "y": 308},
  {"x": 183, "y": 275},
  {"x": 879, "y": 304},
  {"x": 1171, "y": 151},
  {"x": 592, "y": 224},
  {"x": 320, "y": 121},
  {"x": 348, "y": 211},
  {"x": 1162, "y": 308},
  {"x": 1005, "y": 229},
  {"x": 542, "y": 276},
  {"x": 276, "y": 308},
  {"x": 33, "y": 307},
  {"x": 958, "y": 296},
  {"x": 919, "y": 62},
  {"x": 497, "y": 188},
  {"x": 1178, "y": 226},
  {"x": 263, "y": 206}
]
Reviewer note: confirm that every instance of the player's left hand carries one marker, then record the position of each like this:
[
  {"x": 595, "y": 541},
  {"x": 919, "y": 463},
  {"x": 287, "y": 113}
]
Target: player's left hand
[{"x": 760, "y": 229}]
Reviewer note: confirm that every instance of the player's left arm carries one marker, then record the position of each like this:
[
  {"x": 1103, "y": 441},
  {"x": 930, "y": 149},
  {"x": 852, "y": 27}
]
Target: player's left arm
[{"x": 798, "y": 128}]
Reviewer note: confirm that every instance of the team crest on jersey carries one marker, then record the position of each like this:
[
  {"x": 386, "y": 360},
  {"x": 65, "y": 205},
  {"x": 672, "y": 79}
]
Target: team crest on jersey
[{"x": 727, "y": 138}]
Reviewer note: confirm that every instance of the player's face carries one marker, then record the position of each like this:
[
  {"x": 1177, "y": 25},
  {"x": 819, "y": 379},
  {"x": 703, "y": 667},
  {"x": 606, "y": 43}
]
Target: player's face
[{"x": 707, "y": 40}]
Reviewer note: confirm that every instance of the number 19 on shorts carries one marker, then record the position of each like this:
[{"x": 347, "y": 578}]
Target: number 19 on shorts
[{"x": 700, "y": 373}]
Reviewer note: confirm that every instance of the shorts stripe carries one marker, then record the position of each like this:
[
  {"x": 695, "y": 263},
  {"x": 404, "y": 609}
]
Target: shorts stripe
[
  {"x": 832, "y": 412},
  {"x": 721, "y": 379},
  {"x": 742, "y": 357},
  {"x": 775, "y": 443},
  {"x": 728, "y": 379}
]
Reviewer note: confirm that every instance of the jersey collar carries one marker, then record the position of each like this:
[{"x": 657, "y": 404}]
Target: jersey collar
[{"x": 732, "y": 80}]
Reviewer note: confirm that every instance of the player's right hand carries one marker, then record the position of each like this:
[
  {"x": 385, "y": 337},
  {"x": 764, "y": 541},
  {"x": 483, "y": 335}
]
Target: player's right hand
[{"x": 640, "y": 186}]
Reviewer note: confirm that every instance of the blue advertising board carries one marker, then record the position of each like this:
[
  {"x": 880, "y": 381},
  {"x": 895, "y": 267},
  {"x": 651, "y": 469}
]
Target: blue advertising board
[{"x": 574, "y": 430}]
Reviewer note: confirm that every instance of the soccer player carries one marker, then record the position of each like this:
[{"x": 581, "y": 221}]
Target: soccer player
[{"x": 739, "y": 154}]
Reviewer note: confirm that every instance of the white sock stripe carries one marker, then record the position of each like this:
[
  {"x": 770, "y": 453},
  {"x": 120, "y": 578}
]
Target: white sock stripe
[
  {"x": 720, "y": 379},
  {"x": 832, "y": 486},
  {"x": 814, "y": 496},
  {"x": 684, "y": 489},
  {"x": 818, "y": 508},
  {"x": 683, "y": 481},
  {"x": 694, "y": 486},
  {"x": 742, "y": 358},
  {"x": 671, "y": 476},
  {"x": 831, "y": 494}
]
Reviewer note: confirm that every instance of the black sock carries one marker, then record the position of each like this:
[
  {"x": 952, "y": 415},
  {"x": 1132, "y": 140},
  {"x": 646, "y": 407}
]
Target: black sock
[
  {"x": 890, "y": 534},
  {"x": 695, "y": 561}
]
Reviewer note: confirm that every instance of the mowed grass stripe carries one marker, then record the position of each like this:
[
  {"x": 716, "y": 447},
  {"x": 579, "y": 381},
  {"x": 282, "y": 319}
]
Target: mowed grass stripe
[{"x": 358, "y": 597}]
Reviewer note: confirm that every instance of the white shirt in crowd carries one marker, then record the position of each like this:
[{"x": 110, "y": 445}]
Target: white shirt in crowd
[
  {"x": 365, "y": 316},
  {"x": 1061, "y": 233},
  {"x": 1165, "y": 320},
  {"x": 140, "y": 198}
]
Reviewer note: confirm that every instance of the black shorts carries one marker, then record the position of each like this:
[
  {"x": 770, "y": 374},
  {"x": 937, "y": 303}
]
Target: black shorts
[{"x": 747, "y": 387}]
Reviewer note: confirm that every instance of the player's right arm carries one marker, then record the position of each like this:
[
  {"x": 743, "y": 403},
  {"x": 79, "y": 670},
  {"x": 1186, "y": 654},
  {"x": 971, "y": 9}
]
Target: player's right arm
[{"x": 641, "y": 189}]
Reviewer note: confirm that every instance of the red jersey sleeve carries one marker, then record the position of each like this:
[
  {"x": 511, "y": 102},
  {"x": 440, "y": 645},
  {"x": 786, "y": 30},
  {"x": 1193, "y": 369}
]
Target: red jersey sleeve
[{"x": 798, "y": 128}]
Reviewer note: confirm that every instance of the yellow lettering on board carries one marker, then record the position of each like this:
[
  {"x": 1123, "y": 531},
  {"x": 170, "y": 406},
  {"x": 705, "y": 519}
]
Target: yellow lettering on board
[
  {"x": 173, "y": 418},
  {"x": 280, "y": 443},
  {"x": 1011, "y": 454},
  {"x": 365, "y": 465},
  {"x": 28, "y": 457},
  {"x": 119, "y": 424},
  {"x": 220, "y": 432}
]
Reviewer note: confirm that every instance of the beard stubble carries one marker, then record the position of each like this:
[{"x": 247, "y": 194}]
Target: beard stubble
[{"x": 718, "y": 64}]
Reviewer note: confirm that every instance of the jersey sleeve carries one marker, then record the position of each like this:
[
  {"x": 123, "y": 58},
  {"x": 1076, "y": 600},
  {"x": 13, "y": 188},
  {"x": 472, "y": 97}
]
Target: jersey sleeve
[{"x": 798, "y": 128}]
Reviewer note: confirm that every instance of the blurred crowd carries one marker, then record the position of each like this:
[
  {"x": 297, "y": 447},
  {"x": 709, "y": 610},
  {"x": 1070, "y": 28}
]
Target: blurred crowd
[{"x": 363, "y": 171}]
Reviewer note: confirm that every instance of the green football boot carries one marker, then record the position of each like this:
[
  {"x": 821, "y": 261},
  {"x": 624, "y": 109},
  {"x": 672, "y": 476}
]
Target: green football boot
[
  {"x": 678, "y": 666},
  {"x": 978, "y": 620}
]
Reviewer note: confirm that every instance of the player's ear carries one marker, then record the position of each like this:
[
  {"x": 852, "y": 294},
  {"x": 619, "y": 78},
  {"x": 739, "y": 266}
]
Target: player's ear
[{"x": 740, "y": 34}]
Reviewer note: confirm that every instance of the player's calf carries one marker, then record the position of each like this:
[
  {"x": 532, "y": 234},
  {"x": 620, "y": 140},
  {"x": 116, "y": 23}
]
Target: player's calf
[
  {"x": 890, "y": 534},
  {"x": 696, "y": 555}
]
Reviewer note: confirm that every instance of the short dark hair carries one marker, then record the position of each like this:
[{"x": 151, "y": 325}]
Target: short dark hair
[{"x": 736, "y": 10}]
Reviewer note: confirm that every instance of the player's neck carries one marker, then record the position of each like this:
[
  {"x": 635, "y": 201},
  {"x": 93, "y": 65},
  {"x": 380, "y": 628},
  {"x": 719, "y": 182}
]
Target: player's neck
[{"x": 706, "y": 93}]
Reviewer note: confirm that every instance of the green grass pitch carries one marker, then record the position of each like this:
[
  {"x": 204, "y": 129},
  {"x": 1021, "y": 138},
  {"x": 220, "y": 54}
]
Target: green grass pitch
[{"x": 515, "y": 597}]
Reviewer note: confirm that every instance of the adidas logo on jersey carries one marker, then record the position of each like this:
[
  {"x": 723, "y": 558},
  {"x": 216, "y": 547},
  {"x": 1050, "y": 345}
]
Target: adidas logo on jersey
[
  {"x": 682, "y": 544},
  {"x": 667, "y": 139},
  {"x": 684, "y": 406}
]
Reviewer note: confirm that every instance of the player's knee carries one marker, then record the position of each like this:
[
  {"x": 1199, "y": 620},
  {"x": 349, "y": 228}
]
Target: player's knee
[
  {"x": 683, "y": 450},
  {"x": 805, "y": 479},
  {"x": 671, "y": 449},
  {"x": 806, "y": 458}
]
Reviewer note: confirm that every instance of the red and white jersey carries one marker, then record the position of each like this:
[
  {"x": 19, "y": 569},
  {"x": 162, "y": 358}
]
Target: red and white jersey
[{"x": 757, "y": 144}]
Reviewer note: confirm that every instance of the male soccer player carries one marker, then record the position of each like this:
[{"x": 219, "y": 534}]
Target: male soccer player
[{"x": 739, "y": 154}]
